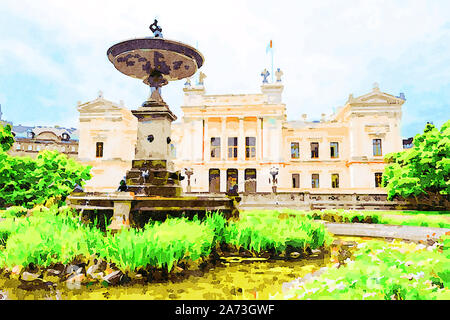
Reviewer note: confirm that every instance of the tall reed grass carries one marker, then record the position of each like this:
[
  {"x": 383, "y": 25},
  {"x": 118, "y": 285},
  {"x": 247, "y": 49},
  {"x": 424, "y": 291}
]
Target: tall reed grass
[{"x": 54, "y": 235}]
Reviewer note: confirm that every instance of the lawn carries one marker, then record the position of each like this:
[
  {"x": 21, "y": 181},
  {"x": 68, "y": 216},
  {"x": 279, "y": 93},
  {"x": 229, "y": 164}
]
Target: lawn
[
  {"x": 383, "y": 271},
  {"x": 437, "y": 219}
]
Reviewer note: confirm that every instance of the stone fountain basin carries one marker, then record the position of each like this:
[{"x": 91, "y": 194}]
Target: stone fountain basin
[
  {"x": 154, "y": 207},
  {"x": 139, "y": 58}
]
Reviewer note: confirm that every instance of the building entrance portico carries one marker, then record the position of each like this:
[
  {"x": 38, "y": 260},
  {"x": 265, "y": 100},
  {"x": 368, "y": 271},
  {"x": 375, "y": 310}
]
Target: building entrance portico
[
  {"x": 214, "y": 180},
  {"x": 250, "y": 181},
  {"x": 232, "y": 179}
]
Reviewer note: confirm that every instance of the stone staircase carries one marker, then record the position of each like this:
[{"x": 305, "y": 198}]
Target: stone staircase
[{"x": 159, "y": 181}]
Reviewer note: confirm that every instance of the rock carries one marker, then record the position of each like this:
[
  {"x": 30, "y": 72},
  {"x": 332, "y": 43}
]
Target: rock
[
  {"x": 28, "y": 276},
  {"x": 92, "y": 269},
  {"x": 114, "y": 277},
  {"x": 295, "y": 255},
  {"x": 74, "y": 269},
  {"x": 75, "y": 281},
  {"x": 343, "y": 255},
  {"x": 76, "y": 278},
  {"x": 16, "y": 270},
  {"x": 53, "y": 272},
  {"x": 349, "y": 243}
]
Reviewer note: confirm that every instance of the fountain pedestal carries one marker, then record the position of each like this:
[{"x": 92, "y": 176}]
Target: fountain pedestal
[
  {"x": 152, "y": 171},
  {"x": 153, "y": 187}
]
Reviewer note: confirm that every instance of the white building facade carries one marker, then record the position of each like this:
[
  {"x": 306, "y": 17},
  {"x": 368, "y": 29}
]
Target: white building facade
[{"x": 237, "y": 140}]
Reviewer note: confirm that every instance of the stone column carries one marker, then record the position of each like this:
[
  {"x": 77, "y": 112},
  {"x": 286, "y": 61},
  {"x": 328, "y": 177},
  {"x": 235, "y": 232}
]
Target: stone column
[
  {"x": 273, "y": 143},
  {"x": 207, "y": 143},
  {"x": 192, "y": 135},
  {"x": 241, "y": 140},
  {"x": 279, "y": 149},
  {"x": 186, "y": 140},
  {"x": 264, "y": 140},
  {"x": 223, "y": 140},
  {"x": 258, "y": 138},
  {"x": 223, "y": 180},
  {"x": 241, "y": 180}
]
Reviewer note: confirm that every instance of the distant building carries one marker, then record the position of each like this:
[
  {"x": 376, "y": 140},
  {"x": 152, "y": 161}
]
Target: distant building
[{"x": 30, "y": 140}]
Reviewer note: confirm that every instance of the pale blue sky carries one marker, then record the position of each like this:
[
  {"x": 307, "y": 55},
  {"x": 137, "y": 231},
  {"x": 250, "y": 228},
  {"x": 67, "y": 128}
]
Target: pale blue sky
[{"x": 53, "y": 53}]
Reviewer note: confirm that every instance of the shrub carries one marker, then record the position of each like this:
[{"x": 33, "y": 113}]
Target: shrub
[
  {"x": 396, "y": 271},
  {"x": 25, "y": 181}
]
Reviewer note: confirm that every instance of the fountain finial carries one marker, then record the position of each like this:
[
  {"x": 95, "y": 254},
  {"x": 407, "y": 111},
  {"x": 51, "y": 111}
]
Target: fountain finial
[{"x": 157, "y": 30}]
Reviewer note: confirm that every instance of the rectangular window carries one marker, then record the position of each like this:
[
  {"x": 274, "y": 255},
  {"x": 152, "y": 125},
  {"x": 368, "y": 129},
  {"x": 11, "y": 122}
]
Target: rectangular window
[
  {"x": 18, "y": 146},
  {"x": 295, "y": 180},
  {"x": 250, "y": 148},
  {"x": 30, "y": 148},
  {"x": 335, "y": 180},
  {"x": 315, "y": 180},
  {"x": 334, "y": 150},
  {"x": 38, "y": 148},
  {"x": 215, "y": 148},
  {"x": 295, "y": 150},
  {"x": 232, "y": 148},
  {"x": 73, "y": 149},
  {"x": 377, "y": 147},
  {"x": 99, "y": 149},
  {"x": 378, "y": 179},
  {"x": 314, "y": 150}
]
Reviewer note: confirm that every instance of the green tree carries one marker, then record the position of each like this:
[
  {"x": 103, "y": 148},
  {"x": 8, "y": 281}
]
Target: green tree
[
  {"x": 6, "y": 138},
  {"x": 422, "y": 171},
  {"x": 26, "y": 182}
]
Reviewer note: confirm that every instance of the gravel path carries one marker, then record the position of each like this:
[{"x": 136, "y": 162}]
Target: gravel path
[{"x": 385, "y": 231}]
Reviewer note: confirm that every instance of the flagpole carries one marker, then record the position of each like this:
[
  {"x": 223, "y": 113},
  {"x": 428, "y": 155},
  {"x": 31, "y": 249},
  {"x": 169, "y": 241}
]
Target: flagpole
[{"x": 272, "y": 64}]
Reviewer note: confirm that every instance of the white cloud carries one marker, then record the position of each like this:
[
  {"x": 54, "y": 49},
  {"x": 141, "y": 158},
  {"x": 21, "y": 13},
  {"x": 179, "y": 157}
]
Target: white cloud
[{"x": 326, "y": 49}]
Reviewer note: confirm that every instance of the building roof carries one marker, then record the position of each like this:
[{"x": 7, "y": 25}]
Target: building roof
[{"x": 23, "y": 131}]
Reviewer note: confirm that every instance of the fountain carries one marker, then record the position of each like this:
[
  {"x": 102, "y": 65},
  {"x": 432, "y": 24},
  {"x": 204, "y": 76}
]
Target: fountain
[{"x": 151, "y": 188}]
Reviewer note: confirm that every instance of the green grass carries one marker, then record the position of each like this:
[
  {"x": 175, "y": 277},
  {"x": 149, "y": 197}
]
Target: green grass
[
  {"x": 419, "y": 218},
  {"x": 47, "y": 236},
  {"x": 384, "y": 271},
  {"x": 264, "y": 231},
  {"x": 161, "y": 245}
]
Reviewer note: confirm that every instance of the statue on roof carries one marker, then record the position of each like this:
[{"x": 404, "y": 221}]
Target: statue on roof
[
  {"x": 278, "y": 74},
  {"x": 265, "y": 74},
  {"x": 157, "y": 30},
  {"x": 201, "y": 76}
]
